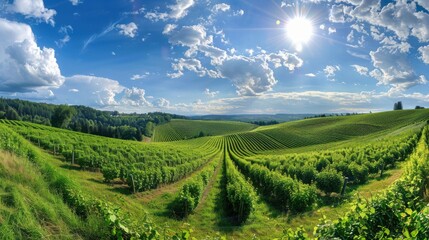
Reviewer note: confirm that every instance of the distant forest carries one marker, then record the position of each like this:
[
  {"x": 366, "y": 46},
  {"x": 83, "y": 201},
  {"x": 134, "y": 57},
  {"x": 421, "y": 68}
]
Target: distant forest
[{"x": 85, "y": 119}]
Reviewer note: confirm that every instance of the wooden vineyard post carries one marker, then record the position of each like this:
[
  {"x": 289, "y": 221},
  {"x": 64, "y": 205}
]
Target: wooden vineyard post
[
  {"x": 344, "y": 186},
  {"x": 73, "y": 156},
  {"x": 134, "y": 186},
  {"x": 381, "y": 170}
]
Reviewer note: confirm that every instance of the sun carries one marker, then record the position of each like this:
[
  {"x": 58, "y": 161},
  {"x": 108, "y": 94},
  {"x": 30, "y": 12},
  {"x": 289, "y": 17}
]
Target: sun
[{"x": 299, "y": 30}]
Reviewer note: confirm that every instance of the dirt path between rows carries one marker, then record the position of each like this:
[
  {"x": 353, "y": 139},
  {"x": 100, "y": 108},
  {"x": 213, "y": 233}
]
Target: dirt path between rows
[
  {"x": 209, "y": 185},
  {"x": 150, "y": 195}
]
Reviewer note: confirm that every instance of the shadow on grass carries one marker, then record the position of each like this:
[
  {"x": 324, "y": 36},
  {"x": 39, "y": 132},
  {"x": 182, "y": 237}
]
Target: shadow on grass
[{"x": 71, "y": 167}]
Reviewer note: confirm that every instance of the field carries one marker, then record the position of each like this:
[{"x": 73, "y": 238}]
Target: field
[{"x": 222, "y": 178}]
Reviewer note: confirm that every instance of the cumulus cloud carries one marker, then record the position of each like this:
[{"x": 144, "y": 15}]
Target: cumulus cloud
[
  {"x": 180, "y": 9},
  {"x": 238, "y": 13},
  {"x": 24, "y": 66},
  {"x": 249, "y": 75},
  {"x": 33, "y": 9},
  {"x": 161, "y": 103},
  {"x": 196, "y": 39},
  {"x": 330, "y": 71},
  {"x": 177, "y": 11},
  {"x": 188, "y": 36},
  {"x": 209, "y": 93},
  {"x": 393, "y": 68},
  {"x": 65, "y": 31},
  {"x": 400, "y": 17},
  {"x": 424, "y": 51},
  {"x": 168, "y": 28},
  {"x": 129, "y": 30},
  {"x": 88, "y": 90},
  {"x": 360, "y": 69},
  {"x": 424, "y": 4},
  {"x": 221, "y": 7},
  {"x": 332, "y": 30},
  {"x": 135, "y": 97},
  {"x": 75, "y": 2},
  {"x": 194, "y": 65}
]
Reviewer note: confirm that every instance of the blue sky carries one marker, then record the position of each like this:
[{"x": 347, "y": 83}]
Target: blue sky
[{"x": 217, "y": 57}]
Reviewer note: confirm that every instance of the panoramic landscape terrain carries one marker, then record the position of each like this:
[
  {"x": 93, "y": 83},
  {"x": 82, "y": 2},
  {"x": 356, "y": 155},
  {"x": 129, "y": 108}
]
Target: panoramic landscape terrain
[{"x": 214, "y": 119}]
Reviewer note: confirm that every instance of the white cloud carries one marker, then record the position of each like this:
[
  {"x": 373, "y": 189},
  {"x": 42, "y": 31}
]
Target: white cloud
[
  {"x": 129, "y": 30},
  {"x": 24, "y": 66},
  {"x": 423, "y": 3},
  {"x": 177, "y": 11},
  {"x": 400, "y": 17},
  {"x": 113, "y": 53},
  {"x": 393, "y": 68},
  {"x": 358, "y": 55},
  {"x": 168, "y": 28},
  {"x": 351, "y": 36},
  {"x": 209, "y": 93},
  {"x": 194, "y": 65},
  {"x": 331, "y": 30},
  {"x": 161, "y": 103},
  {"x": 336, "y": 14},
  {"x": 33, "y": 9},
  {"x": 89, "y": 90},
  {"x": 330, "y": 71},
  {"x": 310, "y": 75},
  {"x": 96, "y": 36},
  {"x": 283, "y": 59},
  {"x": 135, "y": 97},
  {"x": 359, "y": 28},
  {"x": 296, "y": 102},
  {"x": 156, "y": 16},
  {"x": 360, "y": 69},
  {"x": 65, "y": 30},
  {"x": 249, "y": 75},
  {"x": 322, "y": 26},
  {"x": 196, "y": 39},
  {"x": 221, "y": 7},
  {"x": 238, "y": 13},
  {"x": 180, "y": 9},
  {"x": 189, "y": 36},
  {"x": 75, "y": 2},
  {"x": 424, "y": 51},
  {"x": 140, "y": 76}
]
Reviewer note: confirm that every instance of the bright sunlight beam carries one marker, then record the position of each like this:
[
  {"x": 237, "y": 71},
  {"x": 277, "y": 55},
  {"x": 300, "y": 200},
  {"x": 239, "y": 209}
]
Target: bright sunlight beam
[{"x": 299, "y": 30}]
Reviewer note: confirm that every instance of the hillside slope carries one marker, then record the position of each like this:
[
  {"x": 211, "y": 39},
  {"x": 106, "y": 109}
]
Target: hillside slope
[
  {"x": 327, "y": 130},
  {"x": 28, "y": 209},
  {"x": 179, "y": 129}
]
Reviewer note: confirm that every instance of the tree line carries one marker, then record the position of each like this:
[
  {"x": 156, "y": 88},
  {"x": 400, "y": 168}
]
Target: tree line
[{"x": 85, "y": 119}]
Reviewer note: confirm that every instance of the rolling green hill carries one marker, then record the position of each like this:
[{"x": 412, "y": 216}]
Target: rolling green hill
[
  {"x": 241, "y": 182},
  {"x": 179, "y": 129},
  {"x": 333, "y": 129}
]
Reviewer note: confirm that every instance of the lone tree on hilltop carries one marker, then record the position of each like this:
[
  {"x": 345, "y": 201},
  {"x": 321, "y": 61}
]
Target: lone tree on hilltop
[{"x": 397, "y": 106}]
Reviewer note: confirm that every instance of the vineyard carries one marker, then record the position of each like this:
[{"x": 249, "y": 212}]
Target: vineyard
[
  {"x": 179, "y": 129},
  {"x": 234, "y": 179}
]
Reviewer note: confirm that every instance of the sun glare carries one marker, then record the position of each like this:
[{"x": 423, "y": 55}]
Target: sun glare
[{"x": 299, "y": 30}]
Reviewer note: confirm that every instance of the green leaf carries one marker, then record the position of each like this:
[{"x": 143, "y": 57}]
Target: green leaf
[
  {"x": 409, "y": 211},
  {"x": 414, "y": 233}
]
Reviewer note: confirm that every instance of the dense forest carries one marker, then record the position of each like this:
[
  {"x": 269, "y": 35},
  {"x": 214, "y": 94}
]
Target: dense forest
[{"x": 85, "y": 119}]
